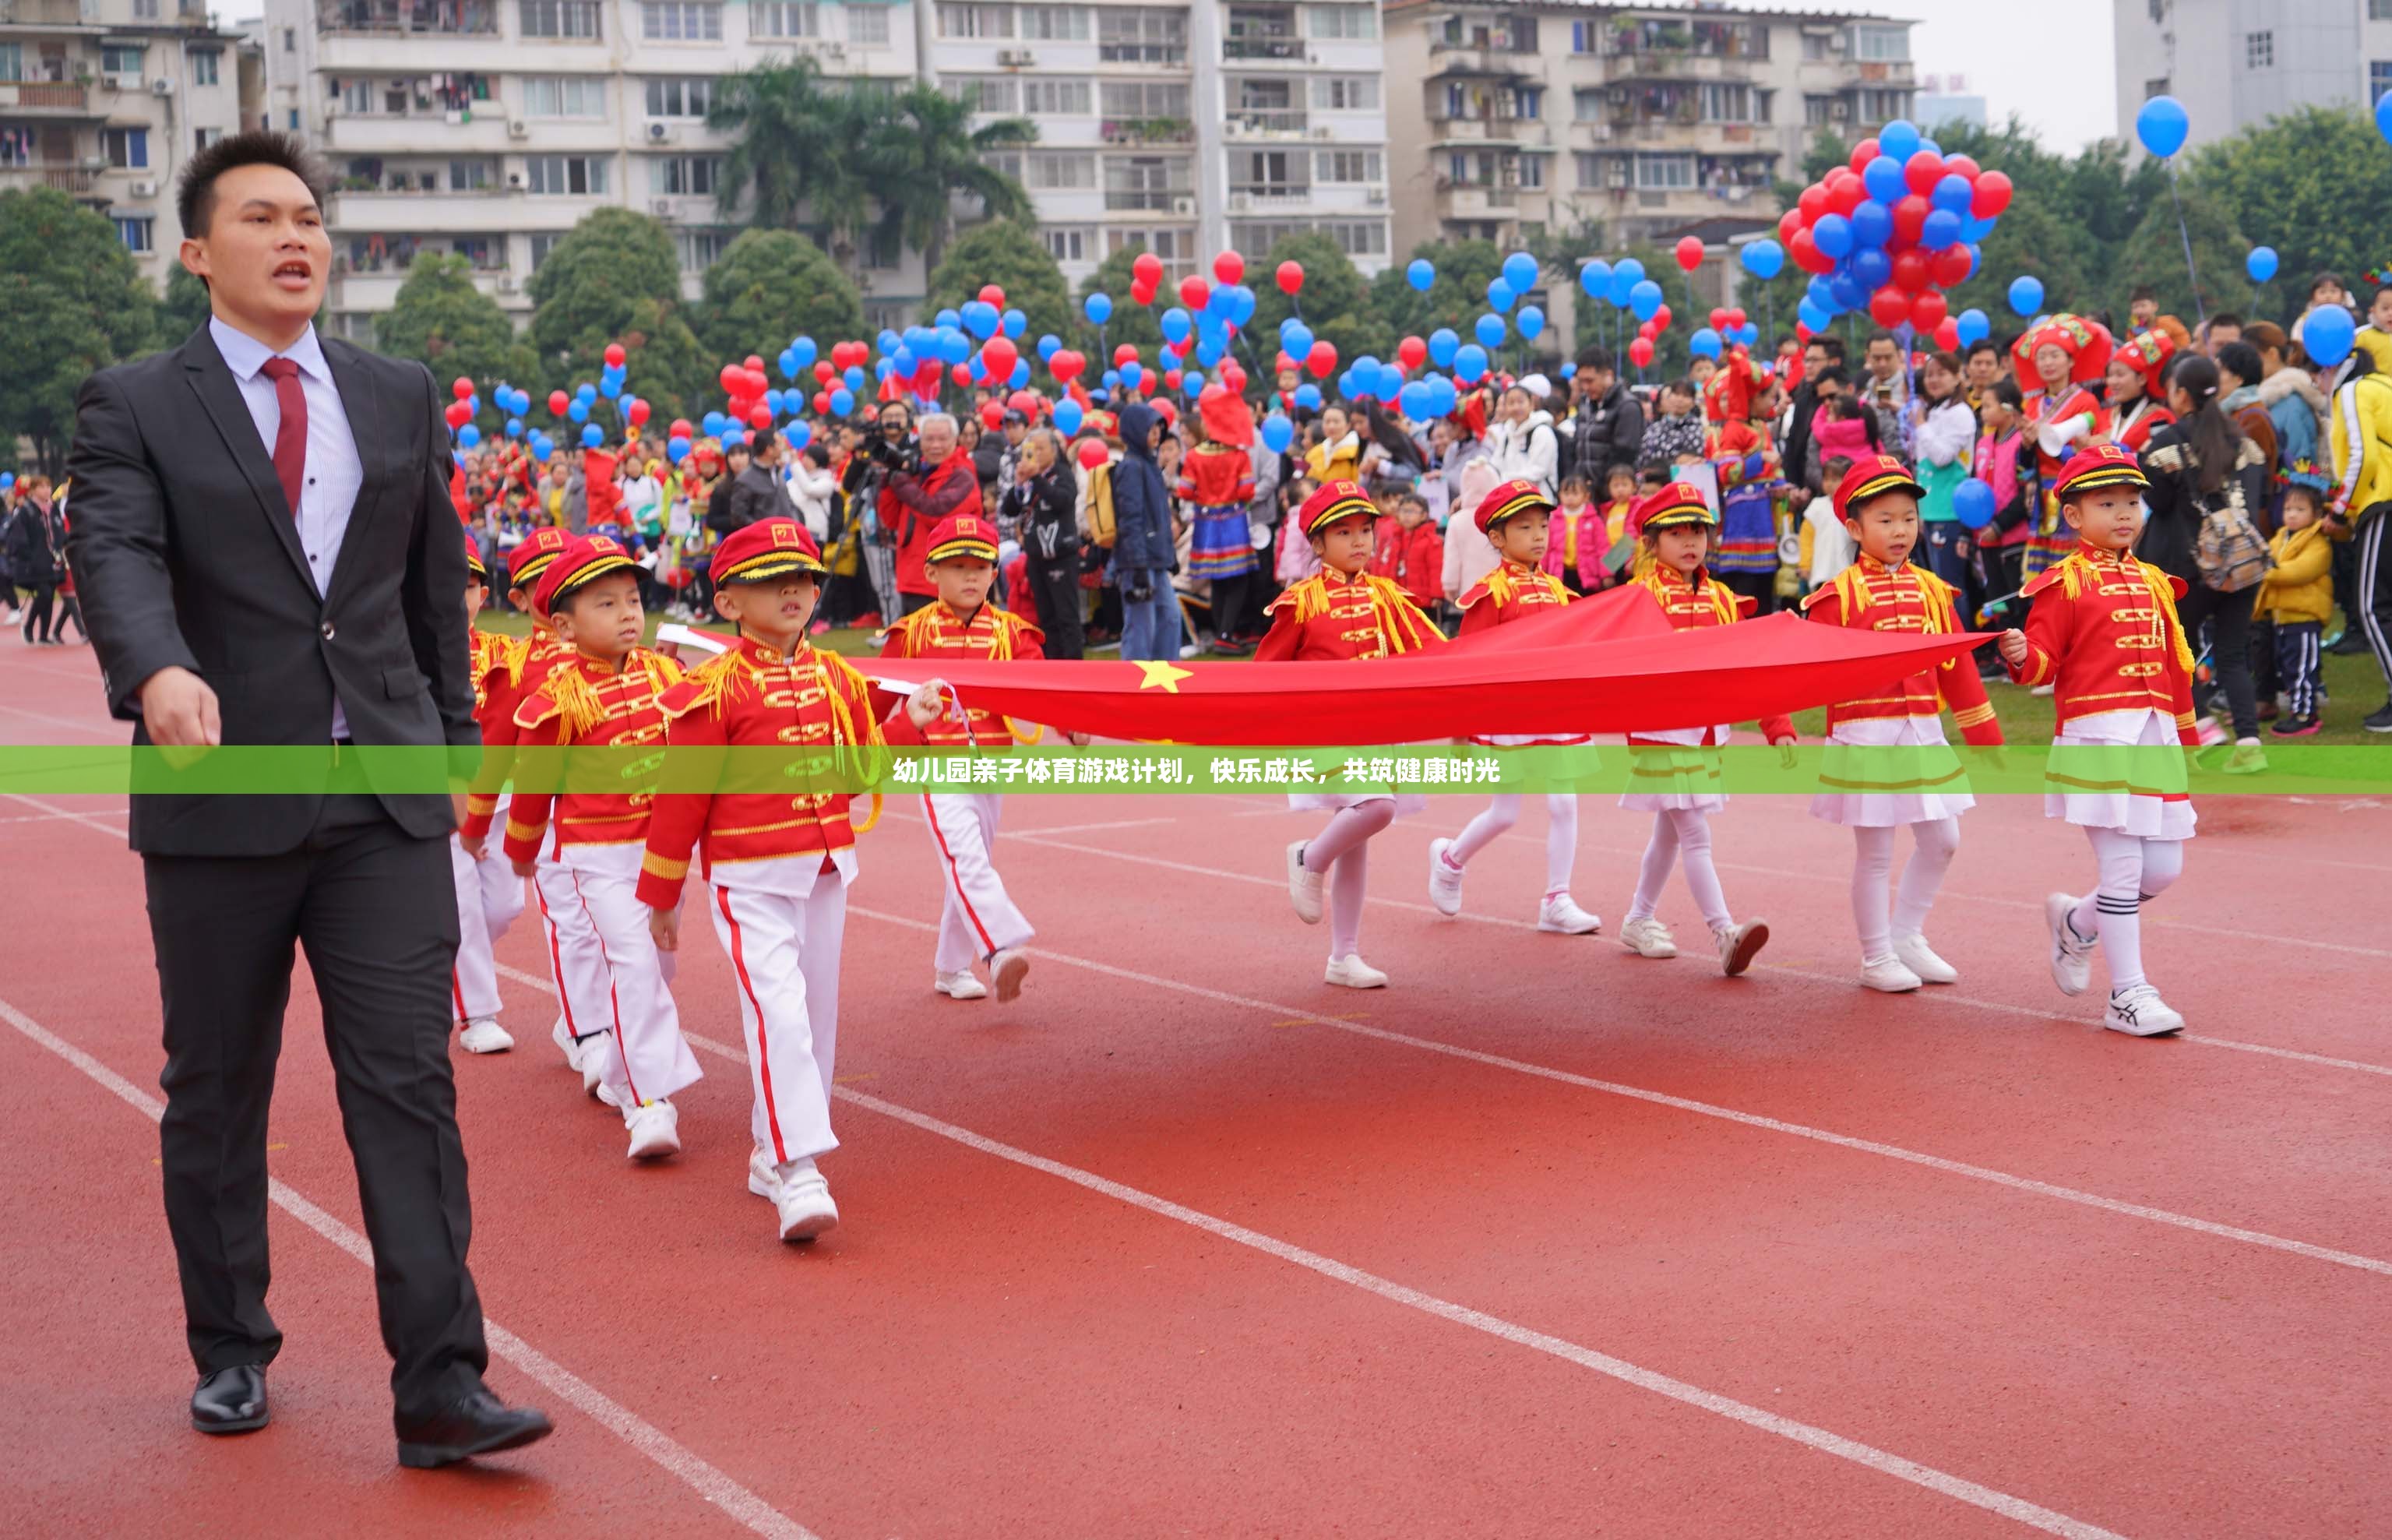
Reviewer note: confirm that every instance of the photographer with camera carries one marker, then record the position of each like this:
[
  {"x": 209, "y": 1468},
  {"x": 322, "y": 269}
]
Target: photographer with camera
[
  {"x": 866, "y": 482},
  {"x": 940, "y": 483}
]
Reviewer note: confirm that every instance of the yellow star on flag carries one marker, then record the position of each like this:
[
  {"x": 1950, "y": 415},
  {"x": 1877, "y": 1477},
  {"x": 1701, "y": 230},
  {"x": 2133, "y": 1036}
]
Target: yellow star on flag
[{"x": 1162, "y": 676}]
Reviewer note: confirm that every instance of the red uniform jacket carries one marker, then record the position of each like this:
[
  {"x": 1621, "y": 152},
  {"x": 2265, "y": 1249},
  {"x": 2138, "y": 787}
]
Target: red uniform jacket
[
  {"x": 517, "y": 666},
  {"x": 583, "y": 702},
  {"x": 1509, "y": 593},
  {"x": 2103, "y": 632},
  {"x": 752, "y": 698},
  {"x": 1415, "y": 559},
  {"x": 991, "y": 634},
  {"x": 1698, "y": 606},
  {"x": 1870, "y": 596},
  {"x": 1215, "y": 476},
  {"x": 1327, "y": 617}
]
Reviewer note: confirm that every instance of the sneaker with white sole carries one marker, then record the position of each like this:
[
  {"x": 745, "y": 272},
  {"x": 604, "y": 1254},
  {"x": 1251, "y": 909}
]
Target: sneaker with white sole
[
  {"x": 656, "y": 1131},
  {"x": 596, "y": 1055},
  {"x": 1739, "y": 944},
  {"x": 1648, "y": 937},
  {"x": 1560, "y": 914},
  {"x": 2138, "y": 1012},
  {"x": 2072, "y": 951},
  {"x": 2248, "y": 758},
  {"x": 804, "y": 1203},
  {"x": 1444, "y": 880},
  {"x": 961, "y": 984},
  {"x": 764, "y": 1176},
  {"x": 1352, "y": 972},
  {"x": 563, "y": 1038},
  {"x": 1304, "y": 887},
  {"x": 485, "y": 1037},
  {"x": 1887, "y": 976},
  {"x": 1005, "y": 971},
  {"x": 1915, "y": 954}
]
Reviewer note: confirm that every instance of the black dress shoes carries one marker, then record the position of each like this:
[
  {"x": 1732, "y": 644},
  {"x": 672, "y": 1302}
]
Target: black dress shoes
[
  {"x": 477, "y": 1424},
  {"x": 231, "y": 1401}
]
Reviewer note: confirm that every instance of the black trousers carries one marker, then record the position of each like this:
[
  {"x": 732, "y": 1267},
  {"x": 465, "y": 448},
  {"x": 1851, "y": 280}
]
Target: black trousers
[
  {"x": 375, "y": 909},
  {"x": 1055, "y": 594},
  {"x": 37, "y": 610},
  {"x": 2228, "y": 617}
]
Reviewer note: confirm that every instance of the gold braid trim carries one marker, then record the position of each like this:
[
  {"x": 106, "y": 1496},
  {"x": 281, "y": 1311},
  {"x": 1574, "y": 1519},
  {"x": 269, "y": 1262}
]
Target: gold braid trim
[
  {"x": 512, "y": 652},
  {"x": 718, "y": 681},
  {"x": 840, "y": 680},
  {"x": 1396, "y": 613}
]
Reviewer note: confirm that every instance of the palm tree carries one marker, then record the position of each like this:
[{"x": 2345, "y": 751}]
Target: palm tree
[
  {"x": 923, "y": 153},
  {"x": 795, "y": 151}
]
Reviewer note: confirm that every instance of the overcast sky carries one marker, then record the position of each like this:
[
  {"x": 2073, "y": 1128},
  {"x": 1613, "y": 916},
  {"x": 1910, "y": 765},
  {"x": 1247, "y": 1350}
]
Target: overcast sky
[{"x": 2046, "y": 60}]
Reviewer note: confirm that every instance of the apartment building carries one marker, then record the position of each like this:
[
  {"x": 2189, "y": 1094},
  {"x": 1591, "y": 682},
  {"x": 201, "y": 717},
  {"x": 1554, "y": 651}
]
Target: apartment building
[
  {"x": 105, "y": 100},
  {"x": 1181, "y": 129},
  {"x": 2237, "y": 63}
]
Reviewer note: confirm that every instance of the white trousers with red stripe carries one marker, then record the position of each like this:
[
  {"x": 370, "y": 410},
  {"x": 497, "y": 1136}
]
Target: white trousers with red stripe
[
  {"x": 978, "y": 920},
  {"x": 649, "y": 1060},
  {"x": 784, "y": 954},
  {"x": 574, "y": 965},
  {"x": 489, "y": 895}
]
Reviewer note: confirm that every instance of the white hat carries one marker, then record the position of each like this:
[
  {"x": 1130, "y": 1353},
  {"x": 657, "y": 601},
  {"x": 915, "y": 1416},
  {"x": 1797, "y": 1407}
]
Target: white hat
[{"x": 1536, "y": 386}]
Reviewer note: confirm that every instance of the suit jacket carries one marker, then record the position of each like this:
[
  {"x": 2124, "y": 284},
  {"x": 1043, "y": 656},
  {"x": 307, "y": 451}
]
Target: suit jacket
[{"x": 186, "y": 553}]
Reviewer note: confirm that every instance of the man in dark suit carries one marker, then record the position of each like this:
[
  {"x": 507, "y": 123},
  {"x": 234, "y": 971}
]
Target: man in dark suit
[{"x": 267, "y": 555}]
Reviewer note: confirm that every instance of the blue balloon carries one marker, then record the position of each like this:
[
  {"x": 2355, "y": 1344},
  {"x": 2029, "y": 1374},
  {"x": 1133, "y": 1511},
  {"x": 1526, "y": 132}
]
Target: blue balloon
[
  {"x": 1954, "y": 192},
  {"x": 799, "y": 434},
  {"x": 1520, "y": 272},
  {"x": 610, "y": 387},
  {"x": 676, "y": 450},
  {"x": 1067, "y": 416},
  {"x": 1277, "y": 431},
  {"x": 578, "y": 409},
  {"x": 1762, "y": 259},
  {"x": 802, "y": 349},
  {"x": 1016, "y": 323},
  {"x": 1021, "y": 375},
  {"x": 1210, "y": 351},
  {"x": 1445, "y": 397},
  {"x": 2383, "y": 116},
  {"x": 1531, "y": 321},
  {"x": 1099, "y": 308},
  {"x": 1972, "y": 504},
  {"x": 1704, "y": 343},
  {"x": 1882, "y": 176},
  {"x": 541, "y": 449},
  {"x": 954, "y": 345},
  {"x": 1416, "y": 398},
  {"x": 1391, "y": 381},
  {"x": 1633, "y": 268},
  {"x": 1872, "y": 225},
  {"x": 1898, "y": 141},
  {"x": 1367, "y": 367},
  {"x": 883, "y": 368},
  {"x": 982, "y": 319},
  {"x": 1350, "y": 387},
  {"x": 842, "y": 401},
  {"x": 1470, "y": 364},
  {"x": 593, "y": 435},
  {"x": 733, "y": 439},
  {"x": 1931, "y": 147},
  {"x": 2026, "y": 297},
  {"x": 2326, "y": 336},
  {"x": 1595, "y": 278},
  {"x": 1176, "y": 325},
  {"x": 1644, "y": 299},
  {"x": 1974, "y": 326},
  {"x": 789, "y": 364},
  {"x": 468, "y": 435},
  {"x": 1132, "y": 373},
  {"x": 1750, "y": 334},
  {"x": 2163, "y": 124},
  {"x": 1850, "y": 294},
  {"x": 904, "y": 362},
  {"x": 1422, "y": 274},
  {"x": 1500, "y": 295},
  {"x": 1490, "y": 331},
  {"x": 777, "y": 402},
  {"x": 586, "y": 391},
  {"x": 1307, "y": 396},
  {"x": 1623, "y": 283},
  {"x": 1246, "y": 301},
  {"x": 1441, "y": 346},
  {"x": 1111, "y": 380},
  {"x": 853, "y": 378},
  {"x": 1974, "y": 230},
  {"x": 888, "y": 340},
  {"x": 2260, "y": 264},
  {"x": 948, "y": 318},
  {"x": 714, "y": 423},
  {"x": 1871, "y": 268},
  {"x": 1295, "y": 337},
  {"x": 1192, "y": 384},
  {"x": 1813, "y": 316},
  {"x": 1833, "y": 235},
  {"x": 1048, "y": 345},
  {"x": 515, "y": 427},
  {"x": 1942, "y": 230},
  {"x": 1821, "y": 292}
]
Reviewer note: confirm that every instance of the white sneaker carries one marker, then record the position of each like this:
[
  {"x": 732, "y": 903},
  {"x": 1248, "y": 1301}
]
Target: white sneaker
[
  {"x": 2138, "y": 1012},
  {"x": 1352, "y": 972},
  {"x": 566, "y": 1045},
  {"x": 2040, "y": 690},
  {"x": 485, "y": 1037},
  {"x": 2248, "y": 758},
  {"x": 764, "y": 1176},
  {"x": 1648, "y": 937},
  {"x": 1887, "y": 976},
  {"x": 597, "y": 1056},
  {"x": 1006, "y": 969},
  {"x": 656, "y": 1131},
  {"x": 1303, "y": 887},
  {"x": 1739, "y": 944},
  {"x": 1560, "y": 913},
  {"x": 2072, "y": 954},
  {"x": 1920, "y": 959},
  {"x": 804, "y": 1202},
  {"x": 959, "y": 986},
  {"x": 1444, "y": 880}
]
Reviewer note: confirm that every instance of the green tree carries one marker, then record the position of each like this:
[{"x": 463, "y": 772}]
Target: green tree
[
  {"x": 2154, "y": 255},
  {"x": 1334, "y": 300},
  {"x": 441, "y": 321},
  {"x": 186, "y": 309},
  {"x": 770, "y": 286},
  {"x": 1456, "y": 299},
  {"x": 793, "y": 150},
  {"x": 1009, "y": 255},
  {"x": 922, "y": 155},
  {"x": 614, "y": 277},
  {"x": 2314, "y": 185},
  {"x": 75, "y": 303}
]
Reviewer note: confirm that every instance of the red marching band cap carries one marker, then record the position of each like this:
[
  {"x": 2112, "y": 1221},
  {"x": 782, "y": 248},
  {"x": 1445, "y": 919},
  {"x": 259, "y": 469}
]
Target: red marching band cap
[
  {"x": 2105, "y": 465},
  {"x": 473, "y": 558},
  {"x": 1871, "y": 474},
  {"x": 583, "y": 561},
  {"x": 1679, "y": 503},
  {"x": 1333, "y": 501},
  {"x": 963, "y": 535},
  {"x": 766, "y": 550},
  {"x": 1509, "y": 501},
  {"x": 528, "y": 560}
]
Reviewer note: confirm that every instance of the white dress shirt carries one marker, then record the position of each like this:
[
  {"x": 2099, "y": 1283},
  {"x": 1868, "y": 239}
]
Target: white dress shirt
[{"x": 334, "y": 474}]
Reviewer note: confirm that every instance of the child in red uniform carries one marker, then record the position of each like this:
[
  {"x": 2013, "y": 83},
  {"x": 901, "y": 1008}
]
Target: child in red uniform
[
  {"x": 1515, "y": 518},
  {"x": 1339, "y": 613},
  {"x": 2103, "y": 632},
  {"x": 606, "y": 695},
  {"x": 1677, "y": 771},
  {"x": 489, "y": 895},
  {"x": 777, "y": 867},
  {"x": 1416, "y": 549},
  {"x": 980, "y": 919},
  {"x": 1902, "y": 772}
]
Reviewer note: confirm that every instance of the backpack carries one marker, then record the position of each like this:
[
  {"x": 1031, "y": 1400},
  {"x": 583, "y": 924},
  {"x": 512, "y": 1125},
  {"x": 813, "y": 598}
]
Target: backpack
[
  {"x": 2227, "y": 551},
  {"x": 1102, "y": 529}
]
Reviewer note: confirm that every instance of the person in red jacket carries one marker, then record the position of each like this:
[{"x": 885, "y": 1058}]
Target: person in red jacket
[
  {"x": 1414, "y": 551},
  {"x": 916, "y": 499},
  {"x": 1887, "y": 764},
  {"x": 603, "y": 495},
  {"x": 777, "y": 867},
  {"x": 489, "y": 895}
]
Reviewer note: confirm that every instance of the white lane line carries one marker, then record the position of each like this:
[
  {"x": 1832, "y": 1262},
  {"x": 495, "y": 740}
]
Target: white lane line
[
  {"x": 89, "y": 820},
  {"x": 1868, "y": 1455},
  {"x": 84, "y": 727},
  {"x": 1079, "y": 829},
  {"x": 53, "y": 818},
  {"x": 706, "y": 1480}
]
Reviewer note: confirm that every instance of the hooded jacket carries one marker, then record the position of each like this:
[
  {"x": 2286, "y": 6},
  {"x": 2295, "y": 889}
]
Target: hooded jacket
[
  {"x": 1526, "y": 451},
  {"x": 2298, "y": 410},
  {"x": 1141, "y": 502}
]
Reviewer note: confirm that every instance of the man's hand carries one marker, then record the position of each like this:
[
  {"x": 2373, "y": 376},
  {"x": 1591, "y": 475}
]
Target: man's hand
[
  {"x": 457, "y": 802},
  {"x": 927, "y": 704},
  {"x": 664, "y": 928},
  {"x": 470, "y": 843},
  {"x": 1080, "y": 741},
  {"x": 179, "y": 711},
  {"x": 2014, "y": 648},
  {"x": 523, "y": 868}
]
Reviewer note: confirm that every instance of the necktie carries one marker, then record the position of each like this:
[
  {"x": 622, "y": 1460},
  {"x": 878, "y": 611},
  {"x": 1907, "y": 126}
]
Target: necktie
[{"x": 291, "y": 437}]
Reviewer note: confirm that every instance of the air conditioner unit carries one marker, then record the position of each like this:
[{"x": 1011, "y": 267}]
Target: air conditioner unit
[
  {"x": 660, "y": 206},
  {"x": 519, "y": 129},
  {"x": 1238, "y": 203},
  {"x": 660, "y": 132},
  {"x": 94, "y": 163},
  {"x": 1016, "y": 59},
  {"x": 143, "y": 190},
  {"x": 506, "y": 283},
  {"x": 1376, "y": 197},
  {"x": 161, "y": 86},
  {"x": 123, "y": 83},
  {"x": 1183, "y": 205}
]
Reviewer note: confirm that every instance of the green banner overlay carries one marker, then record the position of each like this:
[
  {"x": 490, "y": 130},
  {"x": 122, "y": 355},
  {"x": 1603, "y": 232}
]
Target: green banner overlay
[{"x": 2289, "y": 770}]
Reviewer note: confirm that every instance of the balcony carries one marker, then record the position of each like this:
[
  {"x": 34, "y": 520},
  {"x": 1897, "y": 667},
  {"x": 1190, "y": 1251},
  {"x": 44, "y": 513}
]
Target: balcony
[
  {"x": 416, "y": 213},
  {"x": 73, "y": 180},
  {"x": 1260, "y": 196},
  {"x": 1146, "y": 131},
  {"x": 1150, "y": 199},
  {"x": 378, "y": 134},
  {"x": 48, "y": 98},
  {"x": 1489, "y": 130},
  {"x": 1474, "y": 199},
  {"x": 1244, "y": 50},
  {"x": 1666, "y": 64},
  {"x": 1266, "y": 123},
  {"x": 431, "y": 18},
  {"x": 1499, "y": 60}
]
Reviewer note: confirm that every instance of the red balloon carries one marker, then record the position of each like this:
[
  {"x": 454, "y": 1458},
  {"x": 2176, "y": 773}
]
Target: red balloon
[
  {"x": 1922, "y": 171},
  {"x": 1690, "y": 252},
  {"x": 1863, "y": 152},
  {"x": 1232, "y": 375},
  {"x": 926, "y": 378},
  {"x": 1662, "y": 318},
  {"x": 1718, "y": 319},
  {"x": 1736, "y": 316},
  {"x": 1065, "y": 365},
  {"x": 1125, "y": 353},
  {"x": 1909, "y": 218},
  {"x": 458, "y": 414},
  {"x": 1228, "y": 268},
  {"x": 1141, "y": 293},
  {"x": 638, "y": 411},
  {"x": 823, "y": 372},
  {"x": 1640, "y": 352},
  {"x": 1910, "y": 271},
  {"x": 1322, "y": 359},
  {"x": 761, "y": 416},
  {"x": 755, "y": 363},
  {"x": 557, "y": 401},
  {"x": 1024, "y": 402},
  {"x": 1648, "y": 331},
  {"x": 1812, "y": 204},
  {"x": 1146, "y": 269},
  {"x": 1890, "y": 306},
  {"x": 1947, "y": 333},
  {"x": 1802, "y": 331},
  {"x": 463, "y": 389},
  {"x": 1411, "y": 352},
  {"x": 1845, "y": 191},
  {"x": 737, "y": 407},
  {"x": 1807, "y": 255},
  {"x": 1194, "y": 292},
  {"x": 961, "y": 373},
  {"x": 992, "y": 413},
  {"x": 1926, "y": 312},
  {"x": 615, "y": 355},
  {"x": 1000, "y": 355},
  {"x": 1951, "y": 265},
  {"x": 1993, "y": 194},
  {"x": 1291, "y": 275},
  {"x": 1094, "y": 453},
  {"x": 821, "y": 403},
  {"x": 991, "y": 294},
  {"x": 1788, "y": 223},
  {"x": 680, "y": 429},
  {"x": 1286, "y": 360},
  {"x": 732, "y": 378},
  {"x": 1962, "y": 165},
  {"x": 1171, "y": 378}
]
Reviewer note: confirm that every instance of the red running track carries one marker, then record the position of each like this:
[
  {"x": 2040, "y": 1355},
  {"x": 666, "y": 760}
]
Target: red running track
[{"x": 1544, "y": 1239}]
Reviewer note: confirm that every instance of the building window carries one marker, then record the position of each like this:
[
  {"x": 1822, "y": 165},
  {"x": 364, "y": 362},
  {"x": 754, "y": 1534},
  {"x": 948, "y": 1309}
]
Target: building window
[
  {"x": 135, "y": 233},
  {"x": 1363, "y": 238},
  {"x": 1141, "y": 36},
  {"x": 565, "y": 176},
  {"x": 1585, "y": 37},
  {"x": 975, "y": 21},
  {"x": 128, "y": 149},
  {"x": 1532, "y": 171},
  {"x": 542, "y": 244},
  {"x": 1142, "y": 101},
  {"x": 486, "y": 253},
  {"x": 1145, "y": 182},
  {"x": 472, "y": 176},
  {"x": 145, "y": 10},
  {"x": 117, "y": 58},
  {"x": 290, "y": 40},
  {"x": 2259, "y": 50},
  {"x": 784, "y": 19},
  {"x": 1586, "y": 104},
  {"x": 700, "y": 249},
  {"x": 1601, "y": 171},
  {"x": 1060, "y": 171},
  {"x": 1055, "y": 23},
  {"x": 684, "y": 175},
  {"x": 867, "y": 26},
  {"x": 681, "y": 21},
  {"x": 1815, "y": 48},
  {"x": 1527, "y": 101},
  {"x": 2379, "y": 80},
  {"x": 2155, "y": 87},
  {"x": 1882, "y": 44},
  {"x": 1664, "y": 173},
  {"x": 1345, "y": 165},
  {"x": 1345, "y": 93},
  {"x": 1884, "y": 106},
  {"x": 565, "y": 96},
  {"x": 1056, "y": 99},
  {"x": 985, "y": 93},
  {"x": 1359, "y": 23},
  {"x": 1177, "y": 247},
  {"x": 292, "y": 120},
  {"x": 204, "y": 67},
  {"x": 2379, "y": 10},
  {"x": 1722, "y": 102},
  {"x": 561, "y": 18},
  {"x": 202, "y": 137},
  {"x": 1066, "y": 245},
  {"x": 681, "y": 97}
]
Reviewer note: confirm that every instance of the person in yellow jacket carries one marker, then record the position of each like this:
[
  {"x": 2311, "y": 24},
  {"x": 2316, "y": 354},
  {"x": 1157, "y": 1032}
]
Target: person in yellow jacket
[
  {"x": 2295, "y": 599},
  {"x": 2362, "y": 471}
]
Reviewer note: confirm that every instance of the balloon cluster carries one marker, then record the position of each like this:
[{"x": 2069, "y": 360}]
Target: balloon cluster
[{"x": 1888, "y": 233}]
